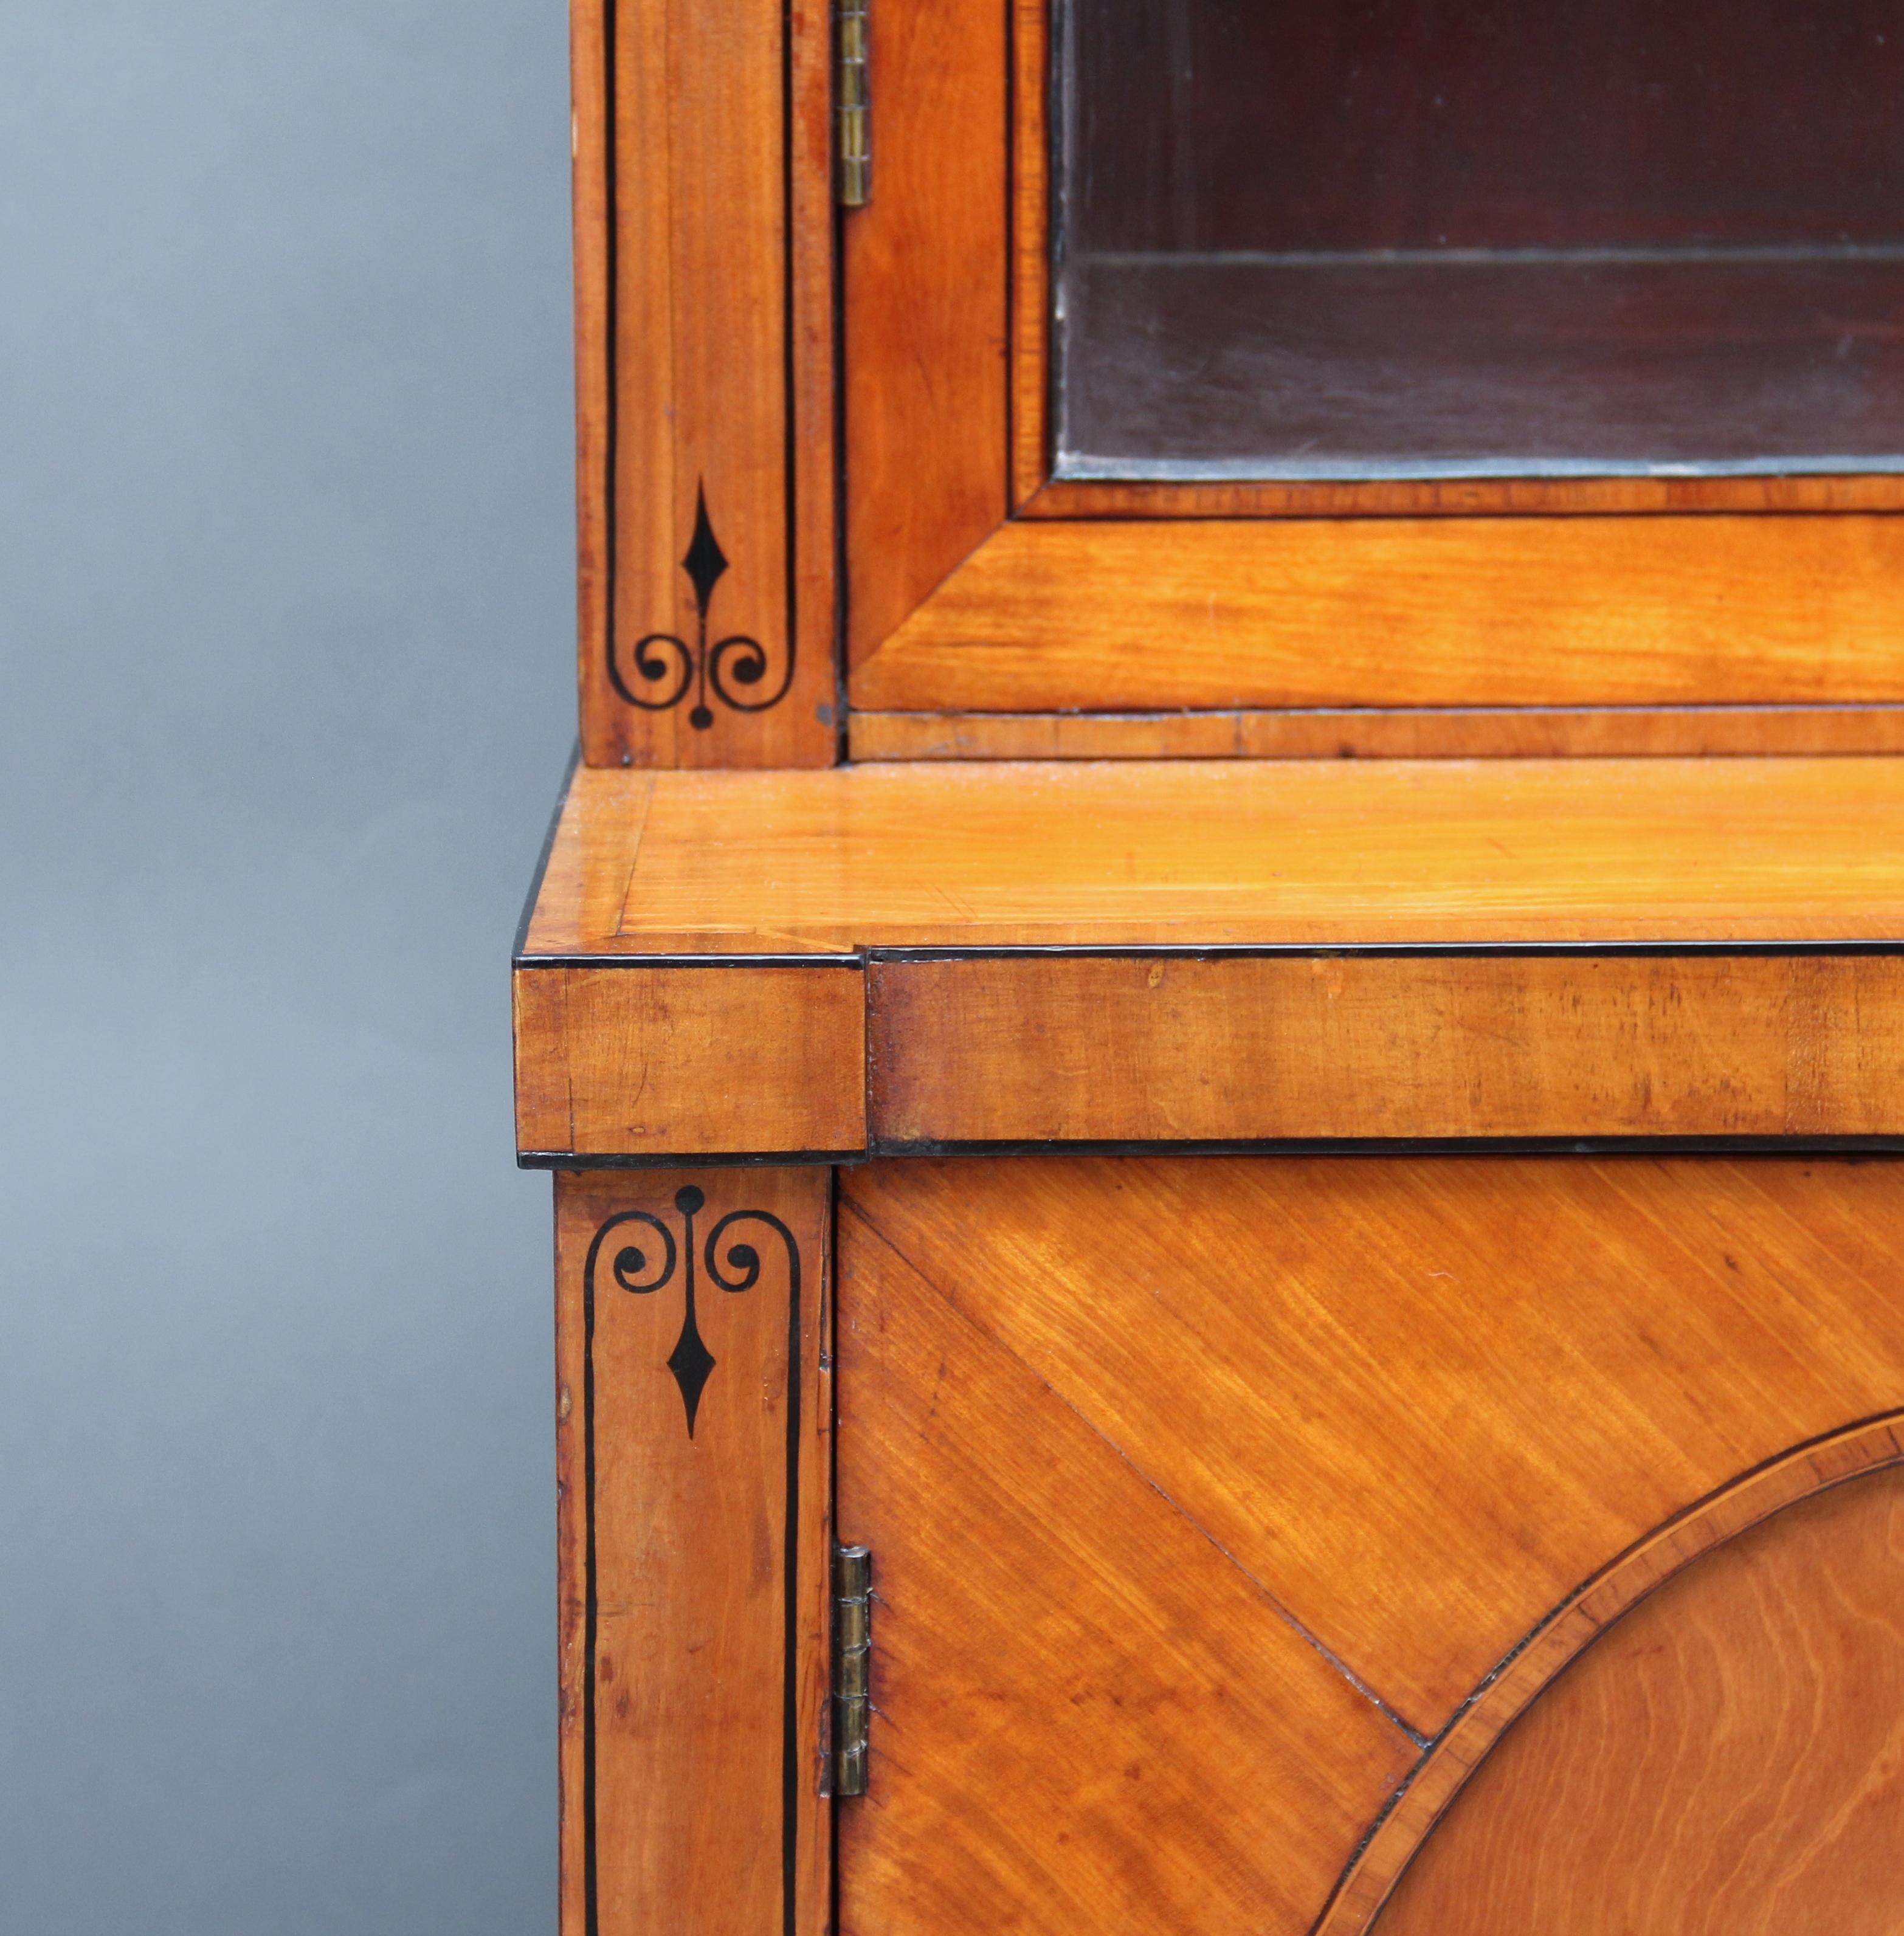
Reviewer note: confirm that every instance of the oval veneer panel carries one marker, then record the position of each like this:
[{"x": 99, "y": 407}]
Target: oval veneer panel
[{"x": 1729, "y": 1758}]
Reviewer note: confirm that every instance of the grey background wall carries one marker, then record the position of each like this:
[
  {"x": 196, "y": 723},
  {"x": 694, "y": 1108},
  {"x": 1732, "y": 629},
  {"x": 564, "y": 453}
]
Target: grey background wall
[{"x": 285, "y": 622}]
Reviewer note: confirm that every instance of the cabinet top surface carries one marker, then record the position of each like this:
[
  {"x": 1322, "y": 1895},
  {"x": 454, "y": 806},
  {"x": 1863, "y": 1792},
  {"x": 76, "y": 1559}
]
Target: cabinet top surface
[{"x": 1225, "y": 854}]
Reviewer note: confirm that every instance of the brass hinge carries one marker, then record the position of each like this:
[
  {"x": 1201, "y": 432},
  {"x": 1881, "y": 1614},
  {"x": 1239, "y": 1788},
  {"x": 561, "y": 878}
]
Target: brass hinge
[
  {"x": 852, "y": 107},
  {"x": 852, "y": 1662}
]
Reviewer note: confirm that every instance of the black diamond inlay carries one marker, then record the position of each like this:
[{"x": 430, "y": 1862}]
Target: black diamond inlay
[
  {"x": 693, "y": 1365},
  {"x": 705, "y": 561},
  {"x": 663, "y": 669}
]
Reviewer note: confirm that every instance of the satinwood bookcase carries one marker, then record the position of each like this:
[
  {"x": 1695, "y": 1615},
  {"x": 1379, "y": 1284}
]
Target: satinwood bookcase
[{"x": 1219, "y": 1002}]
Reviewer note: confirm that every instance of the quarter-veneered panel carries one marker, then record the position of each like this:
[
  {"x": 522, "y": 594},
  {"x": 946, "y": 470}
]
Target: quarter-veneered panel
[
  {"x": 1422, "y": 1400},
  {"x": 1086, "y": 1716}
]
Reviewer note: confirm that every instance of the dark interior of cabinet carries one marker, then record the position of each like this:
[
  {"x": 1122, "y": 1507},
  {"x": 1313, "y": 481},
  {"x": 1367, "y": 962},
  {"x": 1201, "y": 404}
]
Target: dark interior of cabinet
[{"x": 1402, "y": 237}]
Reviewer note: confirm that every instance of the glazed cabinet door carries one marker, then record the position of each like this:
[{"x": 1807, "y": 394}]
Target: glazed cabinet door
[
  {"x": 1361, "y": 375},
  {"x": 1225, "y": 1513}
]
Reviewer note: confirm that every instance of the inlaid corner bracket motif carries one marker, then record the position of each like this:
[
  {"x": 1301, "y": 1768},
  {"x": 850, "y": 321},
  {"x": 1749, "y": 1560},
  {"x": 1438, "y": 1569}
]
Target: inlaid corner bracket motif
[
  {"x": 643, "y": 1272},
  {"x": 671, "y": 668}
]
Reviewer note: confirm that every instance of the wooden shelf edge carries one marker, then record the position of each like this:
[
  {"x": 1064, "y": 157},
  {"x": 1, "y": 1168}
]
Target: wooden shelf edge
[
  {"x": 827, "y": 966},
  {"x": 629, "y": 1064}
]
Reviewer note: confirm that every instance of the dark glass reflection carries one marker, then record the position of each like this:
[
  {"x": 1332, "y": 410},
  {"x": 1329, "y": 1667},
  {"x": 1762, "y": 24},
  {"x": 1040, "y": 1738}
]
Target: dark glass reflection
[{"x": 1396, "y": 237}]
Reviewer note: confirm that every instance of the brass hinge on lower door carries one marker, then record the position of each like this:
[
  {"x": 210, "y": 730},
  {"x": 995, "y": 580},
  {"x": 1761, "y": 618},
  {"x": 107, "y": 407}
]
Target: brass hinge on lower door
[
  {"x": 852, "y": 1663},
  {"x": 852, "y": 134}
]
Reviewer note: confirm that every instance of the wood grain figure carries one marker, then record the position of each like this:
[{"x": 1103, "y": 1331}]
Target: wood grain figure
[
  {"x": 594, "y": 204},
  {"x": 703, "y": 295},
  {"x": 673, "y": 1063},
  {"x": 693, "y": 1451},
  {"x": 1383, "y": 733},
  {"x": 1418, "y": 1402},
  {"x": 1202, "y": 855},
  {"x": 1729, "y": 1758},
  {"x": 924, "y": 285},
  {"x": 1466, "y": 497},
  {"x": 1593, "y": 611},
  {"x": 1027, "y": 1049},
  {"x": 1031, "y": 219},
  {"x": 1395, "y": 1838},
  {"x": 1084, "y": 1715}
]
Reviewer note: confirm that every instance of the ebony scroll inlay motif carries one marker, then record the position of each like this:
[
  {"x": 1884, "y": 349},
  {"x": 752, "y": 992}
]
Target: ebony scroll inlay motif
[
  {"x": 704, "y": 457},
  {"x": 642, "y": 1271},
  {"x": 693, "y": 1418},
  {"x": 666, "y": 667}
]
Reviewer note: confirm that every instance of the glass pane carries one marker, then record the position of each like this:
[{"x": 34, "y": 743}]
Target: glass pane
[{"x": 1368, "y": 238}]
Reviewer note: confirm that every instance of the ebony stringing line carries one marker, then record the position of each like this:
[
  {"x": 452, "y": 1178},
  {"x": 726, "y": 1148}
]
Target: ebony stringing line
[
  {"x": 692, "y": 1364},
  {"x": 611, "y": 429},
  {"x": 790, "y": 1756},
  {"x": 666, "y": 665}
]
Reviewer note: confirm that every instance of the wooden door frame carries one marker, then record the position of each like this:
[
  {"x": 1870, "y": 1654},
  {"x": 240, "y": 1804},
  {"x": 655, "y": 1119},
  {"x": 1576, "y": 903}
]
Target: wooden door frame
[{"x": 976, "y": 586}]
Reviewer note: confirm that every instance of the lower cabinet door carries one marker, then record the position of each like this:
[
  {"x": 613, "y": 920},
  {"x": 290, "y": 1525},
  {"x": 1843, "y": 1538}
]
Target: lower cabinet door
[
  {"x": 1487, "y": 1544},
  {"x": 1728, "y": 1757}
]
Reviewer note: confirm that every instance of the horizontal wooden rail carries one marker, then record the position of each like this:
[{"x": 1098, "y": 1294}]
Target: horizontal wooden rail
[
  {"x": 831, "y": 965},
  {"x": 623, "y": 1061}
]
